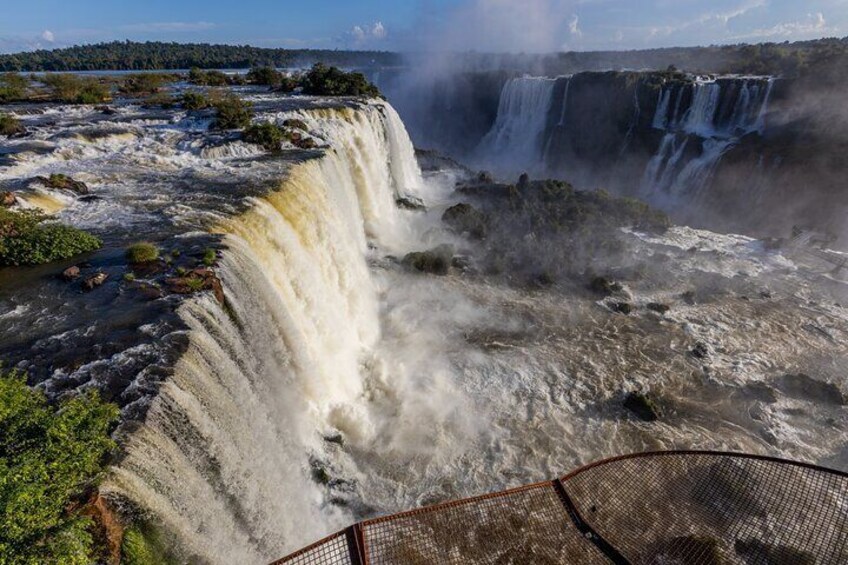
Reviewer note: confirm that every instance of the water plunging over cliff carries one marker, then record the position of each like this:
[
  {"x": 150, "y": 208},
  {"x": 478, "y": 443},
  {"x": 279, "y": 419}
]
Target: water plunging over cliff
[{"x": 222, "y": 457}]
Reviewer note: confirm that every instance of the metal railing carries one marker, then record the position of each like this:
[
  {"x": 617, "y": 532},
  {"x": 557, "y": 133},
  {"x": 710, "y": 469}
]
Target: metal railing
[{"x": 671, "y": 507}]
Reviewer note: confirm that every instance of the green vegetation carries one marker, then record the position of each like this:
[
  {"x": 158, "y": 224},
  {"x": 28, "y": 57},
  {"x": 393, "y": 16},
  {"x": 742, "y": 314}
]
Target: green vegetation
[
  {"x": 26, "y": 238},
  {"x": 128, "y": 55},
  {"x": 10, "y": 125},
  {"x": 268, "y": 135},
  {"x": 50, "y": 458},
  {"x": 209, "y": 256},
  {"x": 143, "y": 546},
  {"x": 143, "y": 84},
  {"x": 142, "y": 252},
  {"x": 322, "y": 80},
  {"x": 208, "y": 78},
  {"x": 129, "y": 277},
  {"x": 266, "y": 76},
  {"x": 12, "y": 87},
  {"x": 74, "y": 89},
  {"x": 231, "y": 112},
  {"x": 195, "y": 101}
]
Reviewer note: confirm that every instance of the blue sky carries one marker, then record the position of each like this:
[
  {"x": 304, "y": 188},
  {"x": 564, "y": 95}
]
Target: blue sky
[{"x": 484, "y": 25}]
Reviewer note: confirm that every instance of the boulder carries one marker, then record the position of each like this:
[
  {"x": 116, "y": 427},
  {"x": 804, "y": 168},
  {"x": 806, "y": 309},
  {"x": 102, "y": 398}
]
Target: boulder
[
  {"x": 106, "y": 110},
  {"x": 641, "y": 406},
  {"x": 658, "y": 307},
  {"x": 806, "y": 387},
  {"x": 7, "y": 199},
  {"x": 196, "y": 280},
  {"x": 464, "y": 218},
  {"x": 436, "y": 261},
  {"x": 700, "y": 351},
  {"x": 95, "y": 280},
  {"x": 485, "y": 177},
  {"x": 63, "y": 182},
  {"x": 71, "y": 273},
  {"x": 605, "y": 286},
  {"x": 621, "y": 308}
]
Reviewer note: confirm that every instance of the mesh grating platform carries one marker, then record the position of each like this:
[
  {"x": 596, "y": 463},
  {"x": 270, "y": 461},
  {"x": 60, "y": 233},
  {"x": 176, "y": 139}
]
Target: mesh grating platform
[{"x": 663, "y": 508}]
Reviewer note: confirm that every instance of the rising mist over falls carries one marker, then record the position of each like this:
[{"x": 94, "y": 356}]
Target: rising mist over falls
[{"x": 392, "y": 329}]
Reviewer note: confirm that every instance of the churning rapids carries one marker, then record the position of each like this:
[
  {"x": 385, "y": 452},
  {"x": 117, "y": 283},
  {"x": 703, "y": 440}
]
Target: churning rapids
[{"x": 332, "y": 383}]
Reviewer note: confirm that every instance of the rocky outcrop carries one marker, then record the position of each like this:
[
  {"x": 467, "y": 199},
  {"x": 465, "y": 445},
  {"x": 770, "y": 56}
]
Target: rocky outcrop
[
  {"x": 63, "y": 182},
  {"x": 93, "y": 281},
  {"x": 196, "y": 280},
  {"x": 466, "y": 219},
  {"x": 7, "y": 199},
  {"x": 436, "y": 261},
  {"x": 641, "y": 406}
]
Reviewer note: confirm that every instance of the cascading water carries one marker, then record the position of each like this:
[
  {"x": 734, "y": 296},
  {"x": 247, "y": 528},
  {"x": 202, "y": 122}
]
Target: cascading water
[
  {"x": 718, "y": 115},
  {"x": 517, "y": 137},
  {"x": 222, "y": 460}
]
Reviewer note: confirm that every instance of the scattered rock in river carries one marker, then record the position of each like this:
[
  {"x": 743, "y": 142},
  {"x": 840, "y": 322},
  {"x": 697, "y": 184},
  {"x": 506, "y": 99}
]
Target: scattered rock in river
[
  {"x": 7, "y": 199},
  {"x": 806, "y": 387},
  {"x": 295, "y": 124},
  {"x": 700, "y": 351},
  {"x": 658, "y": 307},
  {"x": 92, "y": 282},
  {"x": 410, "y": 203},
  {"x": 196, "y": 280},
  {"x": 642, "y": 406},
  {"x": 63, "y": 182},
  {"x": 621, "y": 308},
  {"x": 605, "y": 286},
  {"x": 71, "y": 273},
  {"x": 436, "y": 261}
]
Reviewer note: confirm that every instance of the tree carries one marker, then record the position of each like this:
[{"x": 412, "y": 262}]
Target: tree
[{"x": 50, "y": 456}]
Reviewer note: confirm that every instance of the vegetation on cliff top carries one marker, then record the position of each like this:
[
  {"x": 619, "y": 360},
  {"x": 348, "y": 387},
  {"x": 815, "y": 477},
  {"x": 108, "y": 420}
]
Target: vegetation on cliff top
[
  {"x": 50, "y": 458},
  {"x": 231, "y": 112},
  {"x": 322, "y": 80},
  {"x": 28, "y": 238}
]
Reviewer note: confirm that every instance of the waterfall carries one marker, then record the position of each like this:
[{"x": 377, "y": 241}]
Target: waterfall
[
  {"x": 718, "y": 115},
  {"x": 222, "y": 460},
  {"x": 517, "y": 136}
]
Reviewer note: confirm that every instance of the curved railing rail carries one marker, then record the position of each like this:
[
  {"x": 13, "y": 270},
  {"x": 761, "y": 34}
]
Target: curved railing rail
[{"x": 674, "y": 507}]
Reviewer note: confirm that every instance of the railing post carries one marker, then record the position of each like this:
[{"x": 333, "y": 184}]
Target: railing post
[{"x": 356, "y": 545}]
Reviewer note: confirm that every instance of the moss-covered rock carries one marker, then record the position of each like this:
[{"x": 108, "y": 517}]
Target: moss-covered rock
[
  {"x": 142, "y": 252},
  {"x": 436, "y": 261},
  {"x": 63, "y": 182},
  {"x": 231, "y": 112},
  {"x": 10, "y": 125},
  {"x": 269, "y": 136},
  {"x": 466, "y": 219}
]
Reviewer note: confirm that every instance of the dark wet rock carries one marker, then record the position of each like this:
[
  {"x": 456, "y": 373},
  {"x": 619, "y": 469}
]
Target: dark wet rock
[
  {"x": 642, "y": 406},
  {"x": 63, "y": 182},
  {"x": 464, "y": 218},
  {"x": 92, "y": 282},
  {"x": 604, "y": 286},
  {"x": 658, "y": 307},
  {"x": 543, "y": 279},
  {"x": 461, "y": 262},
  {"x": 71, "y": 273},
  {"x": 436, "y": 261},
  {"x": 485, "y": 177},
  {"x": 294, "y": 123},
  {"x": 523, "y": 181},
  {"x": 150, "y": 292},
  {"x": 320, "y": 474},
  {"x": 756, "y": 552},
  {"x": 621, "y": 308},
  {"x": 410, "y": 203},
  {"x": 765, "y": 294},
  {"x": 700, "y": 351},
  {"x": 689, "y": 297},
  {"x": 336, "y": 438},
  {"x": 305, "y": 143},
  {"x": 761, "y": 391},
  {"x": 806, "y": 387},
  {"x": 106, "y": 110},
  {"x": 7, "y": 199}
]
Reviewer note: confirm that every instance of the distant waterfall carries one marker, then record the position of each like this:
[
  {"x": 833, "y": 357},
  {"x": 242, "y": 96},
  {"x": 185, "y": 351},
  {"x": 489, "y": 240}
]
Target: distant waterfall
[
  {"x": 222, "y": 460},
  {"x": 720, "y": 112},
  {"x": 517, "y": 138}
]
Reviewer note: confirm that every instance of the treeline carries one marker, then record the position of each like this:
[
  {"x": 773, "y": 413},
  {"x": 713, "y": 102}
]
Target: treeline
[{"x": 135, "y": 56}]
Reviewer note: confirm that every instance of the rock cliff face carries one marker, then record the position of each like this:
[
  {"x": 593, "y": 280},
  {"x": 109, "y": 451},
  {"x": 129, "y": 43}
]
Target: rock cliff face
[{"x": 750, "y": 154}]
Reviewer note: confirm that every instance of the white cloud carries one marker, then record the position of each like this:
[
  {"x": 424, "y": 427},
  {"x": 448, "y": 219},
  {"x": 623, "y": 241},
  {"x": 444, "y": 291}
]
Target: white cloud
[
  {"x": 574, "y": 26},
  {"x": 814, "y": 25},
  {"x": 48, "y": 36},
  {"x": 365, "y": 35}
]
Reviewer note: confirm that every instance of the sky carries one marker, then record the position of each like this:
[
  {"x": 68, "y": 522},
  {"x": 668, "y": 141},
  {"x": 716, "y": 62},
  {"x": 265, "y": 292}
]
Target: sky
[{"x": 416, "y": 25}]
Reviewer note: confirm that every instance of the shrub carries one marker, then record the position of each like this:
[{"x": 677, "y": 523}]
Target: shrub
[
  {"x": 266, "y": 76},
  {"x": 195, "y": 101},
  {"x": 12, "y": 87},
  {"x": 232, "y": 113},
  {"x": 142, "y": 252},
  {"x": 77, "y": 90},
  {"x": 25, "y": 239},
  {"x": 268, "y": 135},
  {"x": 322, "y": 80},
  {"x": 208, "y": 78},
  {"x": 143, "y": 83},
  {"x": 10, "y": 125},
  {"x": 209, "y": 256},
  {"x": 49, "y": 458}
]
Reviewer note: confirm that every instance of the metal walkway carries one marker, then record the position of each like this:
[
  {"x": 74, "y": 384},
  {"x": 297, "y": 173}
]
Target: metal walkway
[{"x": 663, "y": 508}]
